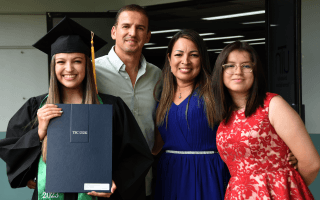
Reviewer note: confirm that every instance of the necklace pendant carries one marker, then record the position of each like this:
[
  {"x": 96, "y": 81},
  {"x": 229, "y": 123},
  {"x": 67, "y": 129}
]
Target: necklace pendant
[{"x": 180, "y": 96}]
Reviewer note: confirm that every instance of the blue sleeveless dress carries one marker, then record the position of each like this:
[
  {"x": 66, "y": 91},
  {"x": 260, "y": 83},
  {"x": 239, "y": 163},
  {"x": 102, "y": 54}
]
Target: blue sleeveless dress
[{"x": 190, "y": 176}]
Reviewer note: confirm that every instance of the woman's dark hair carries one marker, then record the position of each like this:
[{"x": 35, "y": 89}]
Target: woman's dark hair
[
  {"x": 202, "y": 81},
  {"x": 223, "y": 101}
]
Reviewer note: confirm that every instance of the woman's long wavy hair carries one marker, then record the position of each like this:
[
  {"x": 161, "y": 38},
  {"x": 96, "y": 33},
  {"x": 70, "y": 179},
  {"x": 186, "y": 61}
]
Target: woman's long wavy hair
[
  {"x": 202, "y": 81},
  {"x": 257, "y": 93},
  {"x": 55, "y": 93}
]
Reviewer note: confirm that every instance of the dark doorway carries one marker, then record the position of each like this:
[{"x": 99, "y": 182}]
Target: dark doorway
[
  {"x": 185, "y": 15},
  {"x": 284, "y": 51},
  {"x": 193, "y": 14}
]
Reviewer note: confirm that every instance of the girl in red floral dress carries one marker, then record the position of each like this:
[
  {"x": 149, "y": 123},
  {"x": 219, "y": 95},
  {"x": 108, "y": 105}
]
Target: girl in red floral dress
[{"x": 257, "y": 130}]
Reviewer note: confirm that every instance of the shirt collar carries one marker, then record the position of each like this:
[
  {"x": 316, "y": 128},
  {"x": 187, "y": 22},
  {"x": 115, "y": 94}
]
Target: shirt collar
[
  {"x": 115, "y": 60},
  {"x": 119, "y": 65},
  {"x": 143, "y": 64}
]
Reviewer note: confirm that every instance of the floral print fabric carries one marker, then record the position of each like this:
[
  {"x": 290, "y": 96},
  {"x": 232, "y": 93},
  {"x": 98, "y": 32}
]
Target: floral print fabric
[{"x": 257, "y": 159}]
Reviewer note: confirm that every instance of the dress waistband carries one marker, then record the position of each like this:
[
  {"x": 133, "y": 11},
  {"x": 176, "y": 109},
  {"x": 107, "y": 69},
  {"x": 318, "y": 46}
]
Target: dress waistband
[{"x": 191, "y": 152}]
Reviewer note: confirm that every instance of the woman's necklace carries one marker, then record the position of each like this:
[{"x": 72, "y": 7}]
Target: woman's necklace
[{"x": 182, "y": 92}]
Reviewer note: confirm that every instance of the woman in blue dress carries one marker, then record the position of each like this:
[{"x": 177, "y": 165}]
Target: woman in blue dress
[{"x": 190, "y": 167}]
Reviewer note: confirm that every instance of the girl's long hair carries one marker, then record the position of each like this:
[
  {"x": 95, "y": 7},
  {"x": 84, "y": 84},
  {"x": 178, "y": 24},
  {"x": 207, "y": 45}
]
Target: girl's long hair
[
  {"x": 202, "y": 81},
  {"x": 55, "y": 94}
]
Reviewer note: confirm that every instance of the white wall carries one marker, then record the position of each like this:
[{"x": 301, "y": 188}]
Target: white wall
[
  {"x": 23, "y": 69},
  {"x": 310, "y": 38}
]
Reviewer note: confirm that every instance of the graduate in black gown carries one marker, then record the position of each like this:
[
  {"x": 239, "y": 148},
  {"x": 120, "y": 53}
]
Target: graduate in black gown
[{"x": 72, "y": 82}]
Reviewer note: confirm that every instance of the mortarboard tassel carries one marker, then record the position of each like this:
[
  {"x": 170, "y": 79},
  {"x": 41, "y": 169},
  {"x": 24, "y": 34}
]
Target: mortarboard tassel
[{"x": 93, "y": 62}]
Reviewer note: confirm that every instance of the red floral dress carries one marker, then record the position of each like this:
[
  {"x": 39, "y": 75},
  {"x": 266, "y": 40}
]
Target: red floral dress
[{"x": 257, "y": 159}]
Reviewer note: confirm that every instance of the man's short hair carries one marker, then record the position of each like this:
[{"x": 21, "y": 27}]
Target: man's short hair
[{"x": 132, "y": 7}]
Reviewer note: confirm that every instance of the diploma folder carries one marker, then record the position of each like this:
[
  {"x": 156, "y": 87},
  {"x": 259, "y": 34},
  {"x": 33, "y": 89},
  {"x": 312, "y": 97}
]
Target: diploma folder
[{"x": 79, "y": 149}]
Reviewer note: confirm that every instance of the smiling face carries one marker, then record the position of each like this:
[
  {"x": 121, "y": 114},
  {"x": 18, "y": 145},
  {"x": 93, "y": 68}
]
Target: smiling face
[
  {"x": 185, "y": 61},
  {"x": 131, "y": 33},
  {"x": 239, "y": 82},
  {"x": 70, "y": 69}
]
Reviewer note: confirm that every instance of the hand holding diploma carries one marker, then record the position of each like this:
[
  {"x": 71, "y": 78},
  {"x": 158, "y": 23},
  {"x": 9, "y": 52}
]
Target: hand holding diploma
[
  {"x": 45, "y": 114},
  {"x": 103, "y": 194}
]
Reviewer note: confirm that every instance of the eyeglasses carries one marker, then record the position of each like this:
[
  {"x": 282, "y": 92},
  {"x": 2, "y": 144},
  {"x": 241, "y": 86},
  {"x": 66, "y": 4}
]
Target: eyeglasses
[{"x": 231, "y": 68}]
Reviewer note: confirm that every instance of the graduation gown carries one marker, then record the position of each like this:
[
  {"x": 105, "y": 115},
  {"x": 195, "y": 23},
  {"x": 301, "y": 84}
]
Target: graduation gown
[{"x": 21, "y": 150}]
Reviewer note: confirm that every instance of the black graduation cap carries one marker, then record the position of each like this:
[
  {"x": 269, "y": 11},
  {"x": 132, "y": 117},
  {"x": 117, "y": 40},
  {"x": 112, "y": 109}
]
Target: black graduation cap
[{"x": 68, "y": 37}]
